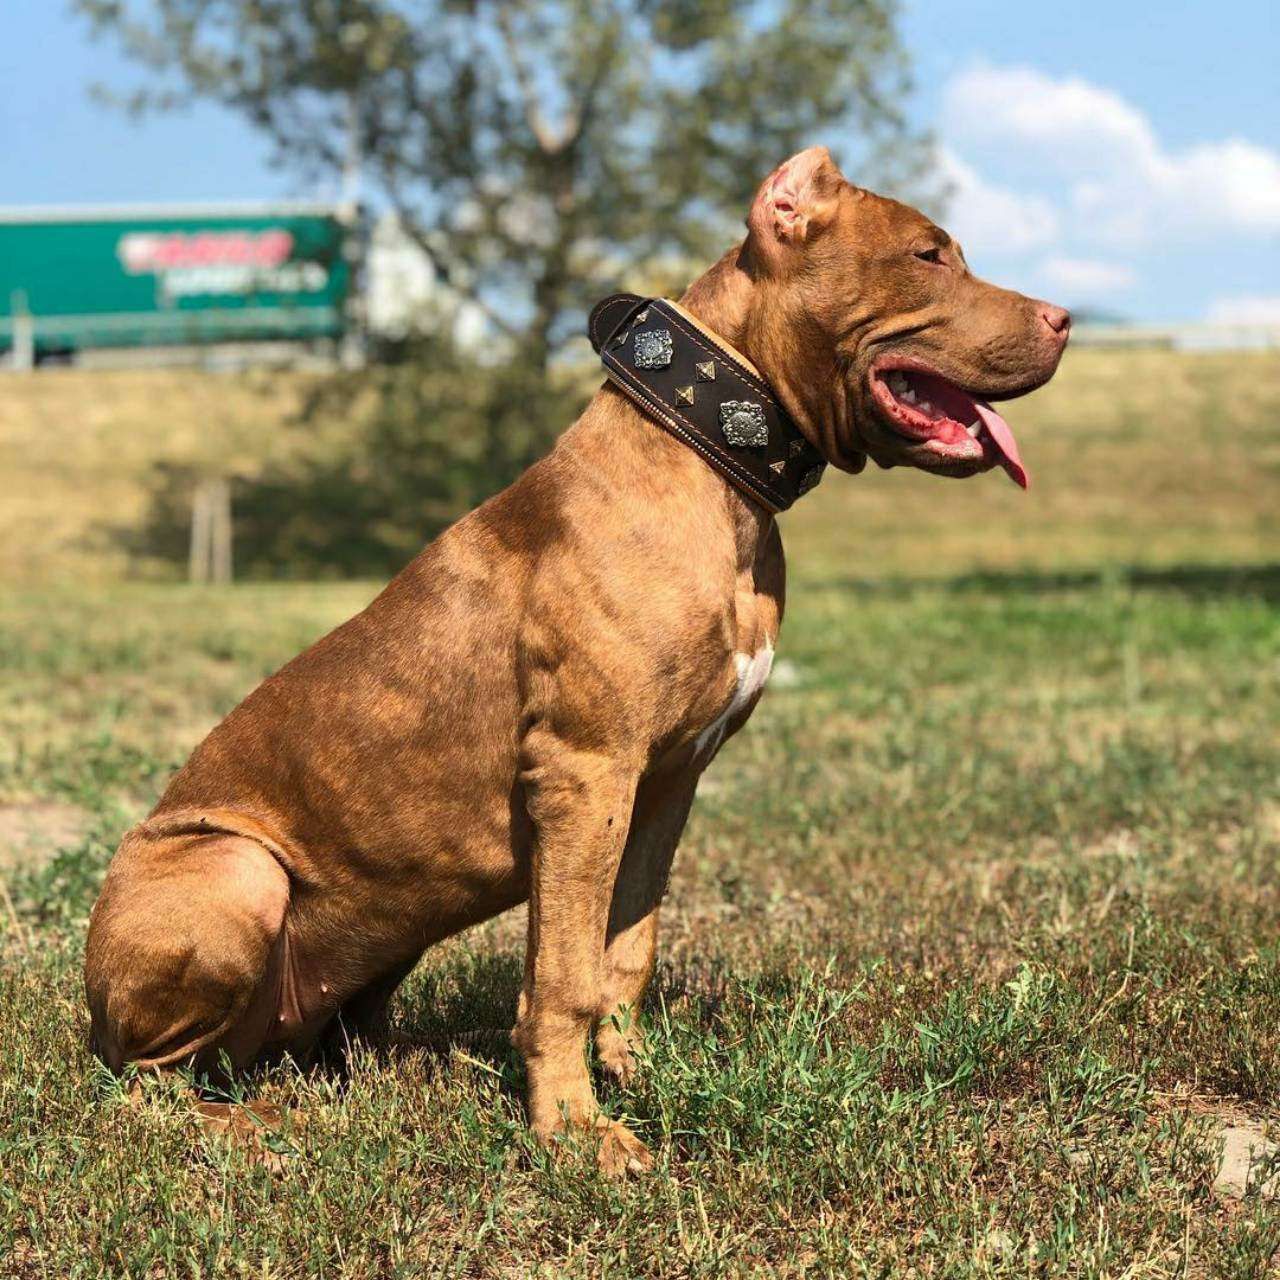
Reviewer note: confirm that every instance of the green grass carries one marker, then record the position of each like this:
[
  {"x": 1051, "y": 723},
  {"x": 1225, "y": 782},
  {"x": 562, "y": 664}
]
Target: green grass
[{"x": 972, "y": 946}]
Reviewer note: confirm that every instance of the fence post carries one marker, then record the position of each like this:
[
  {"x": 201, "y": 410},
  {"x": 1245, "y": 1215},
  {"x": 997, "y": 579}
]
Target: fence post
[
  {"x": 210, "y": 557},
  {"x": 24, "y": 332},
  {"x": 220, "y": 531}
]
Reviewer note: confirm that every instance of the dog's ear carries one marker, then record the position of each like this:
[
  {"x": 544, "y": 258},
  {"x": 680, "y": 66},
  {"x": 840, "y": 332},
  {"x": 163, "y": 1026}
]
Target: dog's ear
[{"x": 796, "y": 201}]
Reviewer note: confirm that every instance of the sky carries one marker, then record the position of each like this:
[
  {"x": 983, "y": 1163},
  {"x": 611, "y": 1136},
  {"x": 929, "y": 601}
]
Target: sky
[{"x": 1118, "y": 156}]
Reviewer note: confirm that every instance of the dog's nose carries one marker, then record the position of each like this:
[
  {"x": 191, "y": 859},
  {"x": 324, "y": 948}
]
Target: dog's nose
[{"x": 1057, "y": 318}]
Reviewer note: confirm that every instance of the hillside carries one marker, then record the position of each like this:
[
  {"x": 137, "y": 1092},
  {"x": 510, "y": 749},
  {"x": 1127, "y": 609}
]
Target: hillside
[{"x": 1150, "y": 458}]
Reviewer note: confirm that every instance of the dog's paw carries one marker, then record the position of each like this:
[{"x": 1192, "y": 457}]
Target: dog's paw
[
  {"x": 617, "y": 1150},
  {"x": 618, "y": 1048},
  {"x": 255, "y": 1129},
  {"x": 621, "y": 1152},
  {"x": 616, "y": 1058}
]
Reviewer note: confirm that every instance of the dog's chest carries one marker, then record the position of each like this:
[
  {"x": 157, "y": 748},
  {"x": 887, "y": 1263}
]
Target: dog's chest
[{"x": 752, "y": 670}]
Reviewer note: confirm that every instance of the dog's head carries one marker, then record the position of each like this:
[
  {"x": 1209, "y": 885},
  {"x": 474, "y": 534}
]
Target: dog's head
[{"x": 868, "y": 319}]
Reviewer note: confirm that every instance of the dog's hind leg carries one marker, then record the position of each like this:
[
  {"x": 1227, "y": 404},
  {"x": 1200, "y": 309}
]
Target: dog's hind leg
[
  {"x": 657, "y": 822},
  {"x": 186, "y": 949}
]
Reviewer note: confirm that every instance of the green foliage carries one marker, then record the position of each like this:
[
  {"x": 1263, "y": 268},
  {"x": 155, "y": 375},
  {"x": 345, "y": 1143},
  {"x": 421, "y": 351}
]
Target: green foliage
[{"x": 538, "y": 150}]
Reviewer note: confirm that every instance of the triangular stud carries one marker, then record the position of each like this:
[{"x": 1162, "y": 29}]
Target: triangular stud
[
  {"x": 684, "y": 395},
  {"x": 643, "y": 316},
  {"x": 797, "y": 448},
  {"x": 622, "y": 337},
  {"x": 778, "y": 467},
  {"x": 706, "y": 372}
]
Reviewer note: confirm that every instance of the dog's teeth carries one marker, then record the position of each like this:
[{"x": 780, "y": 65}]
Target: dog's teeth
[
  {"x": 925, "y": 407},
  {"x": 973, "y": 428},
  {"x": 909, "y": 396}
]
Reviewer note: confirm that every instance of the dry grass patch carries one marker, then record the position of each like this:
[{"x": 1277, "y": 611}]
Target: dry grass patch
[{"x": 1139, "y": 458}]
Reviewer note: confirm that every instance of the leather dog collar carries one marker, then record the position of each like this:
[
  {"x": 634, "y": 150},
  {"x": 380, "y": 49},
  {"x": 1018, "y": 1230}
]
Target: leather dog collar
[{"x": 706, "y": 395}]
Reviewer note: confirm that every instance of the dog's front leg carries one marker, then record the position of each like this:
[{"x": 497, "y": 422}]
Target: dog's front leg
[
  {"x": 580, "y": 805},
  {"x": 657, "y": 822}
]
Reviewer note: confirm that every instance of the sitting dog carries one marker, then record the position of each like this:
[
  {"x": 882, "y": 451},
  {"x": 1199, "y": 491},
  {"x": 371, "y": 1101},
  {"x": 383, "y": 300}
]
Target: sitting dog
[{"x": 524, "y": 712}]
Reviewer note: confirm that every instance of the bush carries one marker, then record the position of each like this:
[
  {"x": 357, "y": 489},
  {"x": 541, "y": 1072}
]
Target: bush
[{"x": 388, "y": 456}]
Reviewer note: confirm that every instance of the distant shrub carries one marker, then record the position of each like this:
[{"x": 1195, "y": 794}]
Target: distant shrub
[{"x": 388, "y": 456}]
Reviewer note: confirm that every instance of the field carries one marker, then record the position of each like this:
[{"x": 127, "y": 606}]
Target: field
[{"x": 971, "y": 960}]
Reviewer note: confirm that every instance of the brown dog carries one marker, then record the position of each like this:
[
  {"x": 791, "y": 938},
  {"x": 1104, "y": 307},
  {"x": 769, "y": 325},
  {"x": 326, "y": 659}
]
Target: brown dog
[{"x": 525, "y": 711}]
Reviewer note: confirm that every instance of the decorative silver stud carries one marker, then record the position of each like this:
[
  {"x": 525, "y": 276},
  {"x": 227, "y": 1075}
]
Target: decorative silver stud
[
  {"x": 684, "y": 395},
  {"x": 643, "y": 316},
  {"x": 654, "y": 349},
  {"x": 778, "y": 467},
  {"x": 797, "y": 448},
  {"x": 743, "y": 424},
  {"x": 810, "y": 478},
  {"x": 705, "y": 372},
  {"x": 621, "y": 339}
]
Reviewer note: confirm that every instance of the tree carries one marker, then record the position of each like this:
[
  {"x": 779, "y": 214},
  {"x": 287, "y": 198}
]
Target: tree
[{"x": 539, "y": 150}]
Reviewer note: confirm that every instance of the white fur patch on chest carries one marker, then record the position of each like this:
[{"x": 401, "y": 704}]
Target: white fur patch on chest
[{"x": 753, "y": 670}]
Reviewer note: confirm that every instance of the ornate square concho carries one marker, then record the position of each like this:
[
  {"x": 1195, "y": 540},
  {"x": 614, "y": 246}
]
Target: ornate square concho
[
  {"x": 743, "y": 424},
  {"x": 654, "y": 349}
]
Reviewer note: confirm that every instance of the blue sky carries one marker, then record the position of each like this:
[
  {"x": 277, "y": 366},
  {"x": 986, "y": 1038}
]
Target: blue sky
[{"x": 1120, "y": 155}]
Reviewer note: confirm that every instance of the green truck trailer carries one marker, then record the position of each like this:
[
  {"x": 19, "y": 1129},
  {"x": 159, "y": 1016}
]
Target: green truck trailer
[{"x": 74, "y": 279}]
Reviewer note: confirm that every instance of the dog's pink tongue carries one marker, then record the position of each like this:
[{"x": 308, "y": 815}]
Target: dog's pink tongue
[{"x": 1006, "y": 445}]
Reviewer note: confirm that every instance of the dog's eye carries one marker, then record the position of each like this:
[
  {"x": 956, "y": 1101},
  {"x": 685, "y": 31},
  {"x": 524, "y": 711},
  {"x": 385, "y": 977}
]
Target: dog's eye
[{"x": 929, "y": 255}]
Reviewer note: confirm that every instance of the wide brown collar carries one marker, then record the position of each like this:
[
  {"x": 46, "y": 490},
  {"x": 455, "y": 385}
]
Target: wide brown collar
[{"x": 706, "y": 394}]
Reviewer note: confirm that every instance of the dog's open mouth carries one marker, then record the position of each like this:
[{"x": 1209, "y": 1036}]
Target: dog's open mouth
[{"x": 956, "y": 431}]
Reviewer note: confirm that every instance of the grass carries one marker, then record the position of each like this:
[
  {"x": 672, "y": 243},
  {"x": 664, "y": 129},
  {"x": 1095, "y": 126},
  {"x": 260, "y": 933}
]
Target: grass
[{"x": 971, "y": 949}]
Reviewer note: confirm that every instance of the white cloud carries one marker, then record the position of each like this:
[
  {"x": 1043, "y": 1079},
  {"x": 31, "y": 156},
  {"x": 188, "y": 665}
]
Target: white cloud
[
  {"x": 1244, "y": 310},
  {"x": 1117, "y": 175},
  {"x": 985, "y": 217},
  {"x": 1080, "y": 121},
  {"x": 1086, "y": 279}
]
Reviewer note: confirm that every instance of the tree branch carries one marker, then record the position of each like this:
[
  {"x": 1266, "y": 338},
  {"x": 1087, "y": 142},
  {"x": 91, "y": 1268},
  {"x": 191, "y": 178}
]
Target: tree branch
[
  {"x": 440, "y": 264},
  {"x": 548, "y": 143},
  {"x": 602, "y": 63}
]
